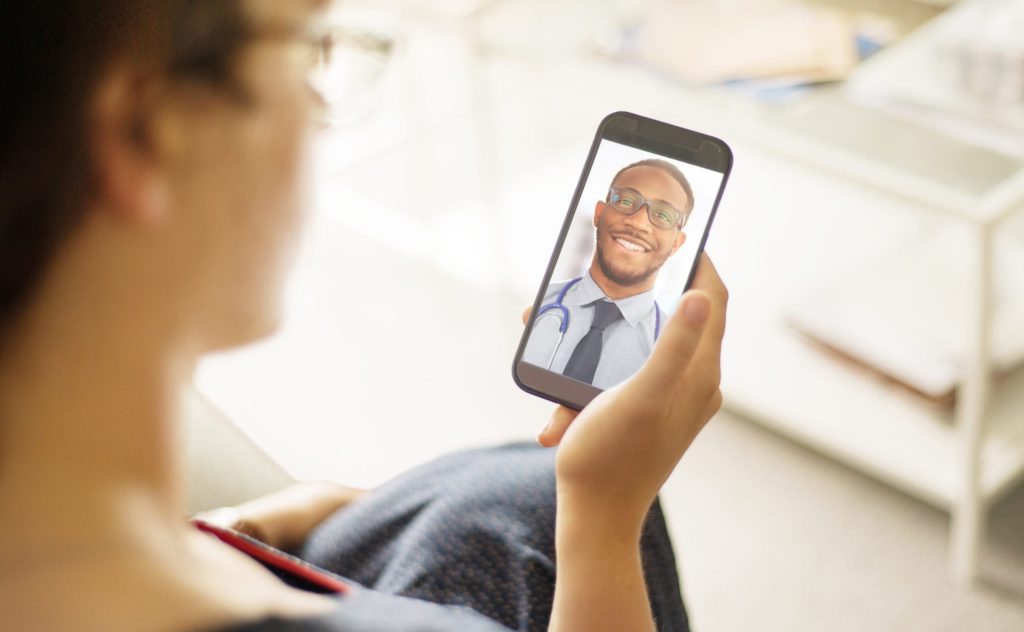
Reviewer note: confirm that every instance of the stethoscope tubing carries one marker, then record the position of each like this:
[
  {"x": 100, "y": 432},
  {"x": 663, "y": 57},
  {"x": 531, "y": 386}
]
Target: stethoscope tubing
[{"x": 563, "y": 324}]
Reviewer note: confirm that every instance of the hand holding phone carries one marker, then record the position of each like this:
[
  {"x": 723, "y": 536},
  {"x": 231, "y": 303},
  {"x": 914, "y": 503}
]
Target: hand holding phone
[
  {"x": 619, "y": 450},
  {"x": 614, "y": 456}
]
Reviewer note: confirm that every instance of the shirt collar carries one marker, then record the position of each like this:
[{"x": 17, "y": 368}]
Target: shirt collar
[{"x": 634, "y": 308}]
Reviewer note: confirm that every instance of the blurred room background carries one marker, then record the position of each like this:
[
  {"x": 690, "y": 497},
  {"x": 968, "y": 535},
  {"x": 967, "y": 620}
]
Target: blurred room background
[{"x": 863, "y": 474}]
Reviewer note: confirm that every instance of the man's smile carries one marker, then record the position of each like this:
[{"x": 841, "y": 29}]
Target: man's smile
[{"x": 631, "y": 244}]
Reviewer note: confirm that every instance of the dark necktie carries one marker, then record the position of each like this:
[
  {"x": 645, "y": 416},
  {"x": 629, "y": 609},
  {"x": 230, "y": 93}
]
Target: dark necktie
[{"x": 583, "y": 361}]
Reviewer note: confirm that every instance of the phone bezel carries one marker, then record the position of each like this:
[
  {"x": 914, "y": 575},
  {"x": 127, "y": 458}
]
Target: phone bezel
[{"x": 644, "y": 133}]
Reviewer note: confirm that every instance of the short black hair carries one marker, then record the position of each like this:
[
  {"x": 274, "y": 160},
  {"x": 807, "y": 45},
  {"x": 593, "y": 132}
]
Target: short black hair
[{"x": 668, "y": 168}]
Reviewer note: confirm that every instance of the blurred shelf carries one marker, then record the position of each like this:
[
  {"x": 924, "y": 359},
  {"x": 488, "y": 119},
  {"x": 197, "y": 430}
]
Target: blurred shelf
[
  {"x": 888, "y": 153},
  {"x": 959, "y": 461},
  {"x": 790, "y": 386}
]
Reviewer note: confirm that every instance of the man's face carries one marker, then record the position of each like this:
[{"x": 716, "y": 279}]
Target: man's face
[{"x": 629, "y": 248}]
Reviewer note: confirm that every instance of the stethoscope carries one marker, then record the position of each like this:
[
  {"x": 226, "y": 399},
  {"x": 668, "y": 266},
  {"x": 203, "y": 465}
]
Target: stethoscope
[{"x": 563, "y": 325}]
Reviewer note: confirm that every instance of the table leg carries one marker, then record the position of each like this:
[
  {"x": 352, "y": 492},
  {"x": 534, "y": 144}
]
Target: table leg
[{"x": 969, "y": 508}]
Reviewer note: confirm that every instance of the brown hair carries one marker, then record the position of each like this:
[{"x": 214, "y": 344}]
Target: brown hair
[
  {"x": 668, "y": 168},
  {"x": 52, "y": 53}
]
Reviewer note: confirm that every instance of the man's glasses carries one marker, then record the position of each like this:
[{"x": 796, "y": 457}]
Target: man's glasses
[{"x": 661, "y": 214}]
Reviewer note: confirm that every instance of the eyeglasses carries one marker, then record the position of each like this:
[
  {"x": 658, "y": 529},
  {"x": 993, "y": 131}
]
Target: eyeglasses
[
  {"x": 661, "y": 214},
  {"x": 343, "y": 64}
]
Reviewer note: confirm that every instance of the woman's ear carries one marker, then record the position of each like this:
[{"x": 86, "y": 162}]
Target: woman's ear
[{"x": 129, "y": 176}]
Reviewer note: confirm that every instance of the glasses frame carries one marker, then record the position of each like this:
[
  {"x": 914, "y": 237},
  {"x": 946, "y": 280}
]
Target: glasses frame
[
  {"x": 318, "y": 49},
  {"x": 683, "y": 215}
]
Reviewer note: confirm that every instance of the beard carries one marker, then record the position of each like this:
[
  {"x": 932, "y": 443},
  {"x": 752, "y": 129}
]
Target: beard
[{"x": 625, "y": 278}]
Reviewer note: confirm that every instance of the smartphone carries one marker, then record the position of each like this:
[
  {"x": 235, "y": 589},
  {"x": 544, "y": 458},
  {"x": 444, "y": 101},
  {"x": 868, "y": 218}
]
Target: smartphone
[{"x": 627, "y": 251}]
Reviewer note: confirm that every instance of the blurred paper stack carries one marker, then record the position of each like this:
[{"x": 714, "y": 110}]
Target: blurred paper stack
[
  {"x": 702, "y": 44},
  {"x": 772, "y": 51}
]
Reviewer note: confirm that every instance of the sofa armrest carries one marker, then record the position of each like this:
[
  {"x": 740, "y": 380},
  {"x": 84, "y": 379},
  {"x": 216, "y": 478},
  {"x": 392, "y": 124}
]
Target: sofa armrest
[{"x": 223, "y": 465}]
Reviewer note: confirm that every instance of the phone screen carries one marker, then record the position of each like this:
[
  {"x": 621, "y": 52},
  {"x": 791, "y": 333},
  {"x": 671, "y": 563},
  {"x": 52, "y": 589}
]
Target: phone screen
[{"x": 627, "y": 251}]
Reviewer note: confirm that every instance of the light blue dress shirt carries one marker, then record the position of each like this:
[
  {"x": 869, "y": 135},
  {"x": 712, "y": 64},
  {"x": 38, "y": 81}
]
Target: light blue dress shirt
[{"x": 627, "y": 342}]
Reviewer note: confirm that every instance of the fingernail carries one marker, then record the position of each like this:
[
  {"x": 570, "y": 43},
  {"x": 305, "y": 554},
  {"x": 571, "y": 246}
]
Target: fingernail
[
  {"x": 695, "y": 309},
  {"x": 540, "y": 435}
]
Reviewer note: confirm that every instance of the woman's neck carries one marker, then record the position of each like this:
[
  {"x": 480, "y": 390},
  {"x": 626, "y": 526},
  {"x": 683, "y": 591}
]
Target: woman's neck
[{"x": 88, "y": 435}]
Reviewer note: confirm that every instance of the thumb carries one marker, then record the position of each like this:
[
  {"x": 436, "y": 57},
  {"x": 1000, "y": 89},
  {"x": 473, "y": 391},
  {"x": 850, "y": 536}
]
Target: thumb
[{"x": 678, "y": 340}]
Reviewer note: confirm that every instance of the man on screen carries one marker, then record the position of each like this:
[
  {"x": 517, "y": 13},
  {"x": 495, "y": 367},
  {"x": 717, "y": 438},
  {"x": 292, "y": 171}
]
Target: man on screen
[{"x": 609, "y": 315}]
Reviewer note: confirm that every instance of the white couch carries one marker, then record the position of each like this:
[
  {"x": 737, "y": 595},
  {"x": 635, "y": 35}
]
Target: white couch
[{"x": 224, "y": 466}]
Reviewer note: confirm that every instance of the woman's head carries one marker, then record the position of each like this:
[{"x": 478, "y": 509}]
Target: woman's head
[{"x": 151, "y": 152}]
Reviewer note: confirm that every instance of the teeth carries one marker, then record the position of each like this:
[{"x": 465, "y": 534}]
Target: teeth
[{"x": 628, "y": 245}]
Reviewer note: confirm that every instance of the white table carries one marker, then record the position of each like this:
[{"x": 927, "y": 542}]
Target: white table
[{"x": 962, "y": 466}]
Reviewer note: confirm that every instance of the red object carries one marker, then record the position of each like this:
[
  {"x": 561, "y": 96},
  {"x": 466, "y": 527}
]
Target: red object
[{"x": 278, "y": 560}]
